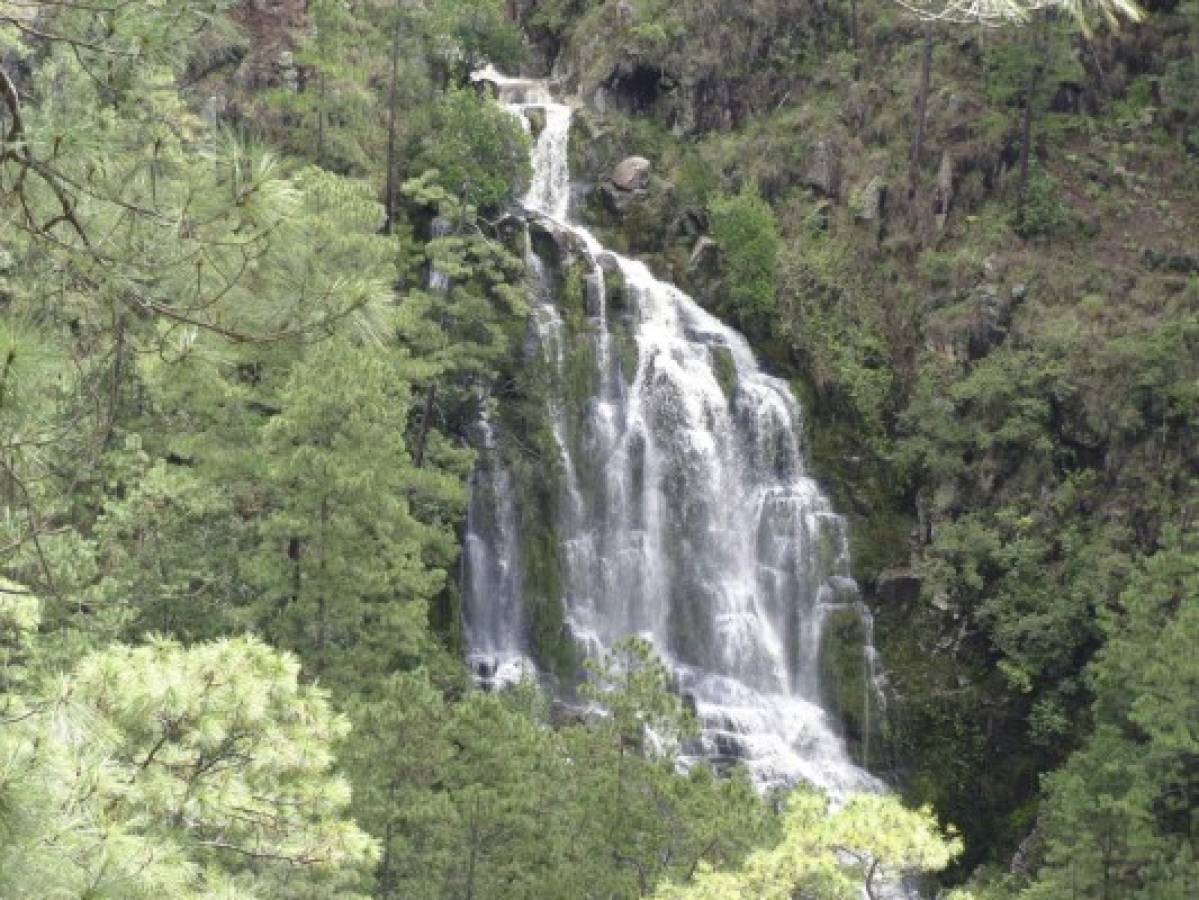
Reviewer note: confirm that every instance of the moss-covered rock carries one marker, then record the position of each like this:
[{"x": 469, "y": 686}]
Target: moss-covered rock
[
  {"x": 845, "y": 677},
  {"x": 725, "y": 368}
]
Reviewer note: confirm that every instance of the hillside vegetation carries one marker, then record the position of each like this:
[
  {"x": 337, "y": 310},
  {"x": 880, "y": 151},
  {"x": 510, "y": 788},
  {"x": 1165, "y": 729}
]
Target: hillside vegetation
[{"x": 258, "y": 280}]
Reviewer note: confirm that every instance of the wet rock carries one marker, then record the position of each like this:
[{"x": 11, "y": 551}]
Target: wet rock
[
  {"x": 547, "y": 243},
  {"x": 840, "y": 590},
  {"x": 844, "y": 673},
  {"x": 594, "y": 293},
  {"x": 690, "y": 223},
  {"x": 823, "y": 170},
  {"x": 611, "y": 200},
  {"x": 632, "y": 174},
  {"x": 536, "y": 119},
  {"x": 725, "y": 368},
  {"x": 705, "y": 259},
  {"x": 609, "y": 263},
  {"x": 615, "y": 290},
  {"x": 898, "y": 586},
  {"x": 486, "y": 88}
]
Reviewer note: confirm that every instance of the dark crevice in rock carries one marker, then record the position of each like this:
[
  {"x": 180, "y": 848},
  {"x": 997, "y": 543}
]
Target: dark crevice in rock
[{"x": 635, "y": 89}]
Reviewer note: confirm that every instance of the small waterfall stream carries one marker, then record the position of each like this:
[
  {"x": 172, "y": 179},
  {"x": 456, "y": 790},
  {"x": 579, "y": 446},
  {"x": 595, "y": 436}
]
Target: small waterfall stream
[{"x": 686, "y": 514}]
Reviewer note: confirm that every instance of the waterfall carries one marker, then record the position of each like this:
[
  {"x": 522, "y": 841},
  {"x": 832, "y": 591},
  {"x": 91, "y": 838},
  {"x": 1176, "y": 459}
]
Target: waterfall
[{"x": 686, "y": 514}]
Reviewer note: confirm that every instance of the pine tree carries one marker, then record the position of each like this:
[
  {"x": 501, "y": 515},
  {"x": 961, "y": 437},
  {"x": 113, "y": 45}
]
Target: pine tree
[
  {"x": 161, "y": 771},
  {"x": 1118, "y": 819},
  {"x": 826, "y": 853},
  {"x": 344, "y": 570}
]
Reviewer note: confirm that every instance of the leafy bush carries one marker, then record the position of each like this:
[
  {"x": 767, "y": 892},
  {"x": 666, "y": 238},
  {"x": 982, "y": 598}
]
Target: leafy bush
[
  {"x": 745, "y": 227},
  {"x": 1043, "y": 213},
  {"x": 480, "y": 153}
]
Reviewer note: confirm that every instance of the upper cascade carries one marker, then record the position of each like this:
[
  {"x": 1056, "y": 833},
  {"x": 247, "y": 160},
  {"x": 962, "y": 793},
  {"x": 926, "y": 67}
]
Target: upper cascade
[{"x": 686, "y": 514}]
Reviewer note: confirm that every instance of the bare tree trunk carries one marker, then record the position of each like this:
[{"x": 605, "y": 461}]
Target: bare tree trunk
[
  {"x": 474, "y": 853},
  {"x": 926, "y": 68},
  {"x": 322, "y": 604},
  {"x": 870, "y": 879},
  {"x": 320, "y": 121},
  {"x": 392, "y": 102},
  {"x": 118, "y": 375},
  {"x": 426, "y": 423}
]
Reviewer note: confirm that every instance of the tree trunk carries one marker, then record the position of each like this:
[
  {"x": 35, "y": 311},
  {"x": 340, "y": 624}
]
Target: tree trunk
[
  {"x": 870, "y": 879},
  {"x": 426, "y": 423},
  {"x": 320, "y": 121},
  {"x": 926, "y": 67},
  {"x": 392, "y": 103},
  {"x": 322, "y": 603},
  {"x": 118, "y": 375},
  {"x": 474, "y": 853}
]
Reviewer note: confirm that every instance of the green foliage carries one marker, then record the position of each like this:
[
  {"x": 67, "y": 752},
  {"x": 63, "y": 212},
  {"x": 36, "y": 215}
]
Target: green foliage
[
  {"x": 227, "y": 403},
  {"x": 161, "y": 771},
  {"x": 20, "y": 615},
  {"x": 472, "y": 32},
  {"x": 344, "y": 568},
  {"x": 1118, "y": 816},
  {"x": 480, "y": 798},
  {"x": 832, "y": 853},
  {"x": 1043, "y": 213},
  {"x": 828, "y": 317},
  {"x": 746, "y": 230},
  {"x": 334, "y": 111},
  {"x": 652, "y": 823},
  {"x": 478, "y": 151}
]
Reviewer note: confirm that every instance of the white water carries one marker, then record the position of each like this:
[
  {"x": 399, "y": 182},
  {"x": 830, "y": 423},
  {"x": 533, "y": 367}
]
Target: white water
[{"x": 686, "y": 514}]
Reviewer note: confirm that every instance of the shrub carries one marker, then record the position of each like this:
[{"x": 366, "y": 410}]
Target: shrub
[
  {"x": 479, "y": 151},
  {"x": 1043, "y": 212},
  {"x": 747, "y": 232}
]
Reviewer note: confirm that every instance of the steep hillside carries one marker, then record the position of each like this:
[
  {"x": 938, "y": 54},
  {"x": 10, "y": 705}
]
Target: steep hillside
[
  {"x": 269, "y": 293},
  {"x": 1000, "y": 368}
]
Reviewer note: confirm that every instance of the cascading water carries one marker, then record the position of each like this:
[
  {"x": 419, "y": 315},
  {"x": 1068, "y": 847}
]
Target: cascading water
[{"x": 685, "y": 514}]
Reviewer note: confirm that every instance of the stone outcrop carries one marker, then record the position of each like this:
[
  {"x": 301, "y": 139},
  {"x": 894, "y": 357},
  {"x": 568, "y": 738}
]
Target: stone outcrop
[
  {"x": 869, "y": 204},
  {"x": 943, "y": 197},
  {"x": 822, "y": 172},
  {"x": 898, "y": 586},
  {"x": 632, "y": 173}
]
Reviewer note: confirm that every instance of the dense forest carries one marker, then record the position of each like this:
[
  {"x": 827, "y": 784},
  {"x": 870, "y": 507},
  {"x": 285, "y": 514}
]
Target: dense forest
[{"x": 265, "y": 286}]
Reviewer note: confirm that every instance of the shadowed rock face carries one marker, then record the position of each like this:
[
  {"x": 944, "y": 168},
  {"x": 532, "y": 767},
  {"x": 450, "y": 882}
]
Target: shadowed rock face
[{"x": 684, "y": 512}]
